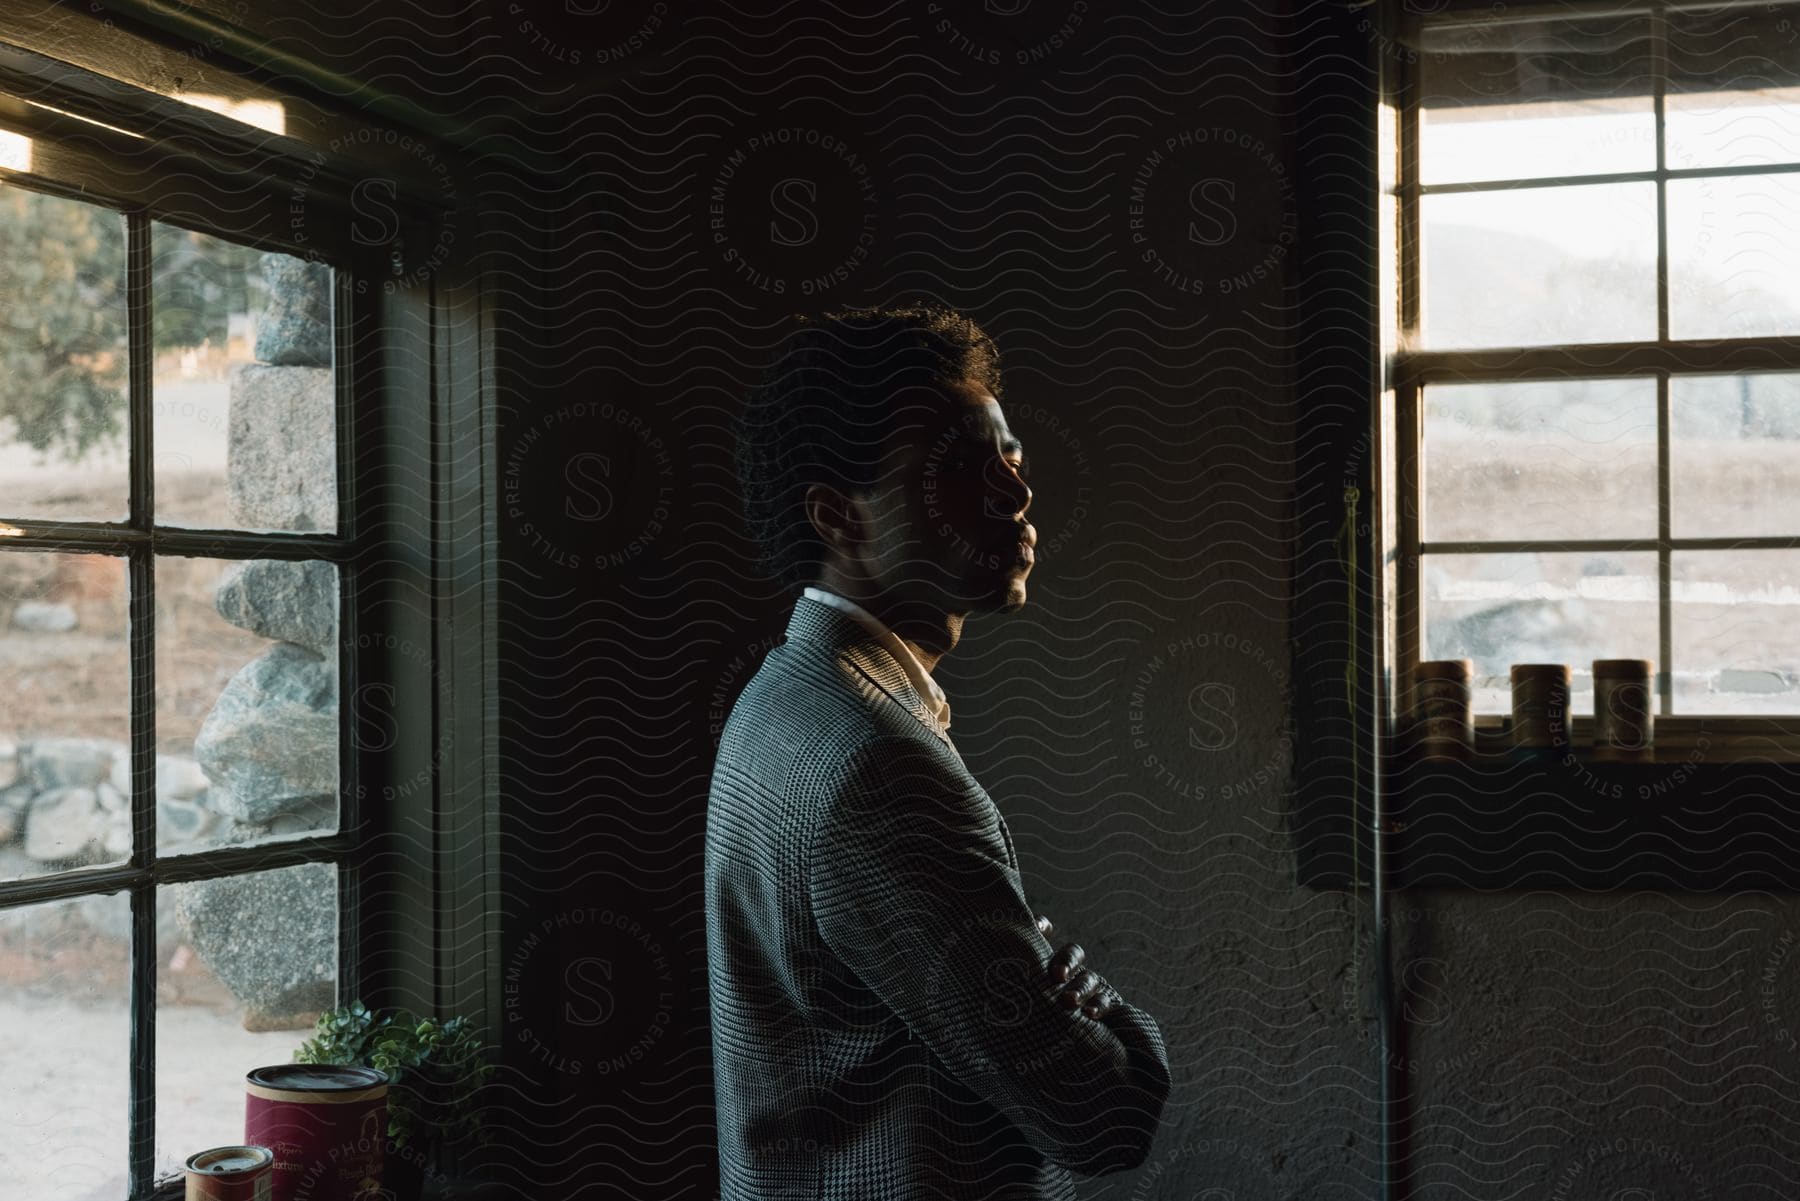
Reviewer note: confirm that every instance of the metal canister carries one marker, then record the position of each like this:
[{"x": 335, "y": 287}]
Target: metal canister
[
  {"x": 327, "y": 1125},
  {"x": 1624, "y": 718},
  {"x": 1540, "y": 706},
  {"x": 1443, "y": 708},
  {"x": 242, "y": 1173}
]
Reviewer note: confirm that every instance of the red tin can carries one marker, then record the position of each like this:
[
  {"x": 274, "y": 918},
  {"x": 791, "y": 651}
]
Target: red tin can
[
  {"x": 230, "y": 1174},
  {"x": 326, "y": 1124}
]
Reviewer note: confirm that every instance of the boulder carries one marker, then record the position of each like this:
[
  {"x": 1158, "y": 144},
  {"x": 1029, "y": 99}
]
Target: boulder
[
  {"x": 270, "y": 937},
  {"x": 182, "y": 824},
  {"x": 115, "y": 839},
  {"x": 270, "y": 740},
  {"x": 176, "y": 776},
  {"x": 110, "y": 798},
  {"x": 281, "y": 449},
  {"x": 183, "y": 821},
  {"x": 179, "y": 777},
  {"x": 43, "y": 617},
  {"x": 64, "y": 825},
  {"x": 109, "y": 915},
  {"x": 15, "y": 799},
  {"x": 286, "y": 600},
  {"x": 296, "y": 327},
  {"x": 71, "y": 762},
  {"x": 317, "y": 816}
]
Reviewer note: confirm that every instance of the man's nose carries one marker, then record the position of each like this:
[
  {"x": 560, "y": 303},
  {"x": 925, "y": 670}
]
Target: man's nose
[{"x": 1008, "y": 495}]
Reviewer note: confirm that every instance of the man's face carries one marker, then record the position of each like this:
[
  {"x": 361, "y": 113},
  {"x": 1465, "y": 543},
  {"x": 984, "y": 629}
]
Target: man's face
[{"x": 947, "y": 521}]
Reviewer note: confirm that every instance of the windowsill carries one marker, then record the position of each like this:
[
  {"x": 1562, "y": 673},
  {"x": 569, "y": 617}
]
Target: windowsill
[
  {"x": 1675, "y": 740},
  {"x": 466, "y": 1190},
  {"x": 1568, "y": 822},
  {"x": 451, "y": 1190}
]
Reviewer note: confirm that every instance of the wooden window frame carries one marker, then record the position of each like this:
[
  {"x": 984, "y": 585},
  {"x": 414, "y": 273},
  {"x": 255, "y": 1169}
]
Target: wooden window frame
[
  {"x": 413, "y": 372},
  {"x": 1679, "y": 738}
]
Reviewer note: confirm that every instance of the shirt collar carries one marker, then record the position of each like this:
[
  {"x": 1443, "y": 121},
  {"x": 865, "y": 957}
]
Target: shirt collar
[{"x": 922, "y": 683}]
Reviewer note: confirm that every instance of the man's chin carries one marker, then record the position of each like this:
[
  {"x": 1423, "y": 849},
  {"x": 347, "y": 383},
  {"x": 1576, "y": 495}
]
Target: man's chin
[
  {"x": 991, "y": 593},
  {"x": 1009, "y": 597}
]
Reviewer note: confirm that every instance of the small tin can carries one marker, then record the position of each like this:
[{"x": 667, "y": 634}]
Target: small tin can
[
  {"x": 1540, "y": 706},
  {"x": 1624, "y": 718},
  {"x": 243, "y": 1173},
  {"x": 327, "y": 1125},
  {"x": 1443, "y": 707}
]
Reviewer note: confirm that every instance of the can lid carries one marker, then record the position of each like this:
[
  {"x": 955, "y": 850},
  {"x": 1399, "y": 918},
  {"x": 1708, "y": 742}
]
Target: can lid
[
  {"x": 1622, "y": 667},
  {"x": 1444, "y": 669},
  {"x": 1526, "y": 671},
  {"x": 315, "y": 1077},
  {"x": 225, "y": 1161}
]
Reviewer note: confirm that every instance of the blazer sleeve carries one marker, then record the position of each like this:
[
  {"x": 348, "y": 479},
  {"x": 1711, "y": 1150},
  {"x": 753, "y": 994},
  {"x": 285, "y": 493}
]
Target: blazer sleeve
[{"x": 912, "y": 888}]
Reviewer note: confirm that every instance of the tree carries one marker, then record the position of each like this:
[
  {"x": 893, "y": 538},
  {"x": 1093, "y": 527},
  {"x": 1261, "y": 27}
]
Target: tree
[
  {"x": 63, "y": 316},
  {"x": 62, "y": 321}
]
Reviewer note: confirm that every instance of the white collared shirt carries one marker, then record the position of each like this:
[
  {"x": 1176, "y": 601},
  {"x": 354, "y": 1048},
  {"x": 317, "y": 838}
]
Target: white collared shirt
[{"x": 922, "y": 683}]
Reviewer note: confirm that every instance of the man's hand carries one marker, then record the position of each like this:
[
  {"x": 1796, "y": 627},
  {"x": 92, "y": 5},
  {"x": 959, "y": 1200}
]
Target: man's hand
[{"x": 1083, "y": 989}]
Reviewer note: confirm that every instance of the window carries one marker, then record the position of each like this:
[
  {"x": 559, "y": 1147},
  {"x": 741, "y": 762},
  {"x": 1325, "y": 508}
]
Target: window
[
  {"x": 236, "y": 695},
  {"x": 1595, "y": 354}
]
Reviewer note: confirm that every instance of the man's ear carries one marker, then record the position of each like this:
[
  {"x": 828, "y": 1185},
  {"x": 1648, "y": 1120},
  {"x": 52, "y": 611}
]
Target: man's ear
[{"x": 835, "y": 518}]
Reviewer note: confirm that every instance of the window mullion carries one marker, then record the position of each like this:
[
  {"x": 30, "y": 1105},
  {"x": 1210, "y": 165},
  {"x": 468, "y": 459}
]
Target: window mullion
[
  {"x": 1605, "y": 360},
  {"x": 1409, "y": 490},
  {"x": 1665, "y": 675},
  {"x": 141, "y": 633},
  {"x": 1658, "y": 73},
  {"x": 1664, "y": 556},
  {"x": 351, "y": 763}
]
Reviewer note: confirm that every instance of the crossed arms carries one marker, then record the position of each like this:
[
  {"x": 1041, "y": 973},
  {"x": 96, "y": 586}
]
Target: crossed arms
[{"x": 913, "y": 889}]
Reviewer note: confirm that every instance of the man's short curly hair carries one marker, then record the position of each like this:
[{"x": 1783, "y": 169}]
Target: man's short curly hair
[{"x": 823, "y": 411}]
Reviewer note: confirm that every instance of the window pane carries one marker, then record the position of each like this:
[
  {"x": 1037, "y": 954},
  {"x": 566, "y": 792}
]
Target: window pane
[
  {"x": 1734, "y": 87},
  {"x": 1734, "y": 455},
  {"x": 1553, "y": 459},
  {"x": 64, "y": 438},
  {"x": 65, "y": 979},
  {"x": 1734, "y": 256},
  {"x": 1735, "y": 632},
  {"x": 244, "y": 412},
  {"x": 1539, "y": 608},
  {"x": 1533, "y": 141},
  {"x": 1530, "y": 99},
  {"x": 244, "y": 966},
  {"x": 65, "y": 712},
  {"x": 1537, "y": 266},
  {"x": 246, "y": 700}
]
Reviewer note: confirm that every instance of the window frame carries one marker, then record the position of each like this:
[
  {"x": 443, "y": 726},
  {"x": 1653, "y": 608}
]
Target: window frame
[
  {"x": 414, "y": 398},
  {"x": 1407, "y": 370}
]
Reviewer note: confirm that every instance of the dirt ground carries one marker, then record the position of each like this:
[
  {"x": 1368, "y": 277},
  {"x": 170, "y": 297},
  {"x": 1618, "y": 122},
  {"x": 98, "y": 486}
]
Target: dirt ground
[{"x": 63, "y": 1065}]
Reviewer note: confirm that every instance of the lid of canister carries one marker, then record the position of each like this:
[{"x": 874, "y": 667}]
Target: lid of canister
[
  {"x": 1531, "y": 671},
  {"x": 315, "y": 1077},
  {"x": 1444, "y": 669},
  {"x": 228, "y": 1161},
  {"x": 1622, "y": 667}
]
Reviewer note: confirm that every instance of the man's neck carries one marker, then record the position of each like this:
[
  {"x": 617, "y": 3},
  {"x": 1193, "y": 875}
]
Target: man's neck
[{"x": 930, "y": 632}]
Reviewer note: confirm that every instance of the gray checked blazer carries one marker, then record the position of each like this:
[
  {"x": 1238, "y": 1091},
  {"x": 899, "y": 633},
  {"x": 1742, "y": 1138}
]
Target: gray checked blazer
[{"x": 883, "y": 1023}]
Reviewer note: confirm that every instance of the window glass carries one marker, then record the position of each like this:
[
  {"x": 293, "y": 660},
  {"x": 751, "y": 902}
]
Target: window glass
[{"x": 64, "y": 437}]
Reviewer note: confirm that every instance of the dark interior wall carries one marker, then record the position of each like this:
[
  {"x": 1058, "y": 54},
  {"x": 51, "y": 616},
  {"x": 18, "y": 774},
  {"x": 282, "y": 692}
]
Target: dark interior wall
[
  {"x": 1115, "y": 194},
  {"x": 1160, "y": 725}
]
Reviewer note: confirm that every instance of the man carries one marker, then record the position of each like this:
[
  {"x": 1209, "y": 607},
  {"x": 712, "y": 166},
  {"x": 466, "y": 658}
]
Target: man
[{"x": 889, "y": 1019}]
